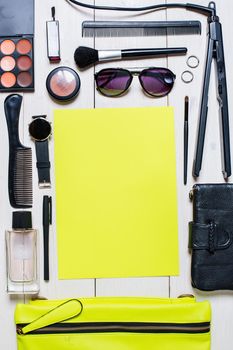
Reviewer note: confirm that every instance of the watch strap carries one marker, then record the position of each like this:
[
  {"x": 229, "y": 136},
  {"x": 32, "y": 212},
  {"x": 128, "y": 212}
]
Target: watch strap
[{"x": 43, "y": 163}]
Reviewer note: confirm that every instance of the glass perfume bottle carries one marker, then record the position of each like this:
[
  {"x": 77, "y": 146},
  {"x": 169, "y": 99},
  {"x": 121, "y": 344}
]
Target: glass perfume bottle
[{"x": 21, "y": 254}]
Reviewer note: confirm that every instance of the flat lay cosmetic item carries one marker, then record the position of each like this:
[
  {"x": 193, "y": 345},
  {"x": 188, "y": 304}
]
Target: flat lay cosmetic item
[
  {"x": 186, "y": 137},
  {"x": 115, "y": 172},
  {"x": 63, "y": 84},
  {"x": 53, "y": 39},
  {"x": 20, "y": 157},
  {"x": 86, "y": 56},
  {"x": 114, "y": 323},
  {"x": 46, "y": 221},
  {"x": 21, "y": 249},
  {"x": 16, "y": 46}
]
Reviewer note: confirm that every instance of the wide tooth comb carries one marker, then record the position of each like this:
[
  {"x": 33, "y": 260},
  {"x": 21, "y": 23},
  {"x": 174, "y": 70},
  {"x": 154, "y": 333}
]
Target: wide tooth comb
[{"x": 20, "y": 158}]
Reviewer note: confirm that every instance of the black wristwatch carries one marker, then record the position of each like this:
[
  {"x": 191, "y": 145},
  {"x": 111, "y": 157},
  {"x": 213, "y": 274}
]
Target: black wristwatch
[{"x": 40, "y": 131}]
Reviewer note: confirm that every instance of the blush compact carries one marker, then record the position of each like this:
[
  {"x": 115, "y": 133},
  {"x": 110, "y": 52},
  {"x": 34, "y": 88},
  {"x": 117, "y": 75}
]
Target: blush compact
[
  {"x": 16, "y": 46},
  {"x": 63, "y": 84}
]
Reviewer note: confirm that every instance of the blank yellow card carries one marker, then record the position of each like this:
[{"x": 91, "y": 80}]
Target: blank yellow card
[{"x": 116, "y": 199}]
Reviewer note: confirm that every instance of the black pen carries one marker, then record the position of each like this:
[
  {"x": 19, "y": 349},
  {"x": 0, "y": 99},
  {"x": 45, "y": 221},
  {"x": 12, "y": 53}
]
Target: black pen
[
  {"x": 186, "y": 135},
  {"x": 47, "y": 221}
]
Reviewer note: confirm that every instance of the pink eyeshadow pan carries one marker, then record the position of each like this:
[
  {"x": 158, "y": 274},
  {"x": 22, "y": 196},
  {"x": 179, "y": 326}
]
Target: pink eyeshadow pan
[
  {"x": 24, "y": 63},
  {"x": 7, "y": 63},
  {"x": 63, "y": 83},
  {"x": 24, "y": 79},
  {"x": 7, "y": 47},
  {"x": 8, "y": 79},
  {"x": 23, "y": 46}
]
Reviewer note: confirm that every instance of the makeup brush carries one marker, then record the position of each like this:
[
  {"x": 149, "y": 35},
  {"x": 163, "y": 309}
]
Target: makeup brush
[
  {"x": 86, "y": 56},
  {"x": 186, "y": 135}
]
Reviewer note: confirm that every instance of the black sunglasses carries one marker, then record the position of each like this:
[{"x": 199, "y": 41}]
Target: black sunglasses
[{"x": 156, "y": 82}]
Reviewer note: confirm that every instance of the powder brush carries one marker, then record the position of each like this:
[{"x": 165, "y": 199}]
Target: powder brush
[{"x": 87, "y": 56}]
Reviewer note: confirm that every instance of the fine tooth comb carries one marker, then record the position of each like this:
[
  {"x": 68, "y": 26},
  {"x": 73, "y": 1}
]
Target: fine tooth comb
[
  {"x": 139, "y": 28},
  {"x": 20, "y": 157}
]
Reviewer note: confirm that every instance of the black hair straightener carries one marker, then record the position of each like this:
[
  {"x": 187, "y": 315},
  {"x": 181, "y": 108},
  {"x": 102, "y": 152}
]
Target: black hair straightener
[{"x": 215, "y": 52}]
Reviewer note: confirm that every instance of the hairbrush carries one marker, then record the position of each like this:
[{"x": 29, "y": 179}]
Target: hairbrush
[{"x": 20, "y": 157}]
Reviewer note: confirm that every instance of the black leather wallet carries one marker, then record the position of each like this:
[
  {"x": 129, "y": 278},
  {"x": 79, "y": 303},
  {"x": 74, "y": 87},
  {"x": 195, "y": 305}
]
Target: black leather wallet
[{"x": 211, "y": 237}]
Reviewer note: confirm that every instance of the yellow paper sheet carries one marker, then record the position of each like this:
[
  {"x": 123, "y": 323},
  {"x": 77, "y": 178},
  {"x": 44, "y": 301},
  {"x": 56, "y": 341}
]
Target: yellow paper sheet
[{"x": 116, "y": 199}]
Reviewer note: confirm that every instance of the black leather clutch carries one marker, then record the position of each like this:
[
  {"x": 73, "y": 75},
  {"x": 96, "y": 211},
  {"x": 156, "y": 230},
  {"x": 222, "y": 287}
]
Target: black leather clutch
[{"x": 211, "y": 237}]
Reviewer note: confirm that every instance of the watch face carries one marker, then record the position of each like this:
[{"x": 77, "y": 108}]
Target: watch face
[{"x": 40, "y": 129}]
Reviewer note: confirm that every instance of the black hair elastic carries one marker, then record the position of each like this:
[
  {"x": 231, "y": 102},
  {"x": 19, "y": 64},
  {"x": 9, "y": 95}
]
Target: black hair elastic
[
  {"x": 193, "y": 61},
  {"x": 187, "y": 76}
]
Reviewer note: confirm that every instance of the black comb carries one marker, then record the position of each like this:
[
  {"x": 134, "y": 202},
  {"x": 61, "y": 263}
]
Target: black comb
[
  {"x": 139, "y": 28},
  {"x": 20, "y": 157}
]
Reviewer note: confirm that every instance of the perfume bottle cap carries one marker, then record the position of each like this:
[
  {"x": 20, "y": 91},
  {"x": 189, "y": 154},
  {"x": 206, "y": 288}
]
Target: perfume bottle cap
[{"x": 22, "y": 219}]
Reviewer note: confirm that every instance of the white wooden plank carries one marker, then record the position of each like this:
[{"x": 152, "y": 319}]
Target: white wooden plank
[{"x": 147, "y": 287}]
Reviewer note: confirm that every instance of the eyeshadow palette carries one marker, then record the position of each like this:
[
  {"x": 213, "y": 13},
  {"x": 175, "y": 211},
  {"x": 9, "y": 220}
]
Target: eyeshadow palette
[
  {"x": 16, "y": 46},
  {"x": 16, "y": 64}
]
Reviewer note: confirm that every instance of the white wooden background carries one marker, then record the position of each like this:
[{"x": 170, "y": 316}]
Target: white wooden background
[{"x": 40, "y": 103}]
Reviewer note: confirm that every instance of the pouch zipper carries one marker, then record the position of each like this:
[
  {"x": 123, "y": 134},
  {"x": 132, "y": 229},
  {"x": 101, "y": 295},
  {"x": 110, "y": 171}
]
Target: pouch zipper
[{"x": 125, "y": 327}]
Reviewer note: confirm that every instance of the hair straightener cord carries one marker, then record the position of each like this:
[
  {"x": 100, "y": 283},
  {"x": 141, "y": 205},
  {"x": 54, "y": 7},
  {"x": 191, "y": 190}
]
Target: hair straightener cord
[{"x": 192, "y": 7}]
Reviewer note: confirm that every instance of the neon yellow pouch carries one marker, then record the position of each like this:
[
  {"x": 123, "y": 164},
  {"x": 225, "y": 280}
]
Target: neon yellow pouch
[{"x": 114, "y": 324}]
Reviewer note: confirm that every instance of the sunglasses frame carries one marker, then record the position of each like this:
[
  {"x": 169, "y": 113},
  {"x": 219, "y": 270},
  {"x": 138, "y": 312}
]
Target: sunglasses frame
[{"x": 133, "y": 72}]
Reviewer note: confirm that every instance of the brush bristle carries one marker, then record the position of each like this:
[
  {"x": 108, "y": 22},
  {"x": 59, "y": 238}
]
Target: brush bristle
[
  {"x": 22, "y": 187},
  {"x": 85, "y": 56}
]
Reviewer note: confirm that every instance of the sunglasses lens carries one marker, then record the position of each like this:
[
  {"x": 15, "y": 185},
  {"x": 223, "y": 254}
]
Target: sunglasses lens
[
  {"x": 157, "y": 82},
  {"x": 113, "y": 82}
]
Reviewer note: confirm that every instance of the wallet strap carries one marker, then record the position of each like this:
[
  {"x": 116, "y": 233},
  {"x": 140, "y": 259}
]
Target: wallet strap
[
  {"x": 63, "y": 312},
  {"x": 209, "y": 236}
]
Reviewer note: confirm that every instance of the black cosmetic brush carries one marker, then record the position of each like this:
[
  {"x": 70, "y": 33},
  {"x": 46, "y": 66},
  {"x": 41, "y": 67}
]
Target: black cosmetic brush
[
  {"x": 20, "y": 157},
  {"x": 186, "y": 136},
  {"x": 86, "y": 56}
]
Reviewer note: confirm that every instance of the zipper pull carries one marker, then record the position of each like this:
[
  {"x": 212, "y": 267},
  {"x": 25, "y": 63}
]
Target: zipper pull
[
  {"x": 63, "y": 312},
  {"x": 191, "y": 195},
  {"x": 38, "y": 298},
  {"x": 186, "y": 296}
]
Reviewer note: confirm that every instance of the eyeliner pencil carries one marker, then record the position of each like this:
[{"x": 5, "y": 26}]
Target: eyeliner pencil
[
  {"x": 47, "y": 216},
  {"x": 186, "y": 135}
]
